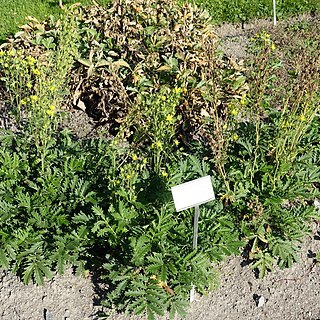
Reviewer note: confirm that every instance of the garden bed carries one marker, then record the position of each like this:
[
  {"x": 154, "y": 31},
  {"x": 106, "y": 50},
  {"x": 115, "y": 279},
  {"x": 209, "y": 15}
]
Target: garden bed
[{"x": 141, "y": 121}]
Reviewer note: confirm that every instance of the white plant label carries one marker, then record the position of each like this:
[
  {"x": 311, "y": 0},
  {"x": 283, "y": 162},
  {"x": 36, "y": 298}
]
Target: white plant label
[
  {"x": 193, "y": 193},
  {"x": 274, "y": 13}
]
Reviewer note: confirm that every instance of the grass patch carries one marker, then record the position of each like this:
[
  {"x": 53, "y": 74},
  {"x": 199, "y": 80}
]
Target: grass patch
[
  {"x": 243, "y": 10},
  {"x": 13, "y": 13}
]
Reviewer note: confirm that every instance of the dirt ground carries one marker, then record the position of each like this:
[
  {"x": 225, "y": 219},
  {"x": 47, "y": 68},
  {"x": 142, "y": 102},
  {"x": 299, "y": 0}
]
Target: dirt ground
[{"x": 290, "y": 294}]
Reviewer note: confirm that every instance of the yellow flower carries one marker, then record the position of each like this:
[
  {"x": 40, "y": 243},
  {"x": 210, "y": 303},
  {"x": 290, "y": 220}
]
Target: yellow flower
[
  {"x": 144, "y": 161},
  {"x": 177, "y": 90},
  {"x": 134, "y": 157},
  {"x": 265, "y": 36},
  {"x": 36, "y": 72},
  {"x": 302, "y": 118},
  {"x": 29, "y": 85},
  {"x": 243, "y": 100},
  {"x": 164, "y": 174},
  {"x": 12, "y": 52},
  {"x": 169, "y": 118},
  {"x": 1, "y": 53},
  {"x": 163, "y": 98},
  {"x": 52, "y": 88},
  {"x": 273, "y": 46},
  {"x": 23, "y": 102},
  {"x": 34, "y": 98},
  {"x": 51, "y": 110},
  {"x": 31, "y": 60},
  {"x": 128, "y": 176},
  {"x": 157, "y": 144},
  {"x": 235, "y": 137},
  {"x": 234, "y": 112},
  {"x": 176, "y": 142}
]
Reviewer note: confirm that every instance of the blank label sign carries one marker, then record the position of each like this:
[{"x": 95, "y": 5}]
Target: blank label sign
[{"x": 192, "y": 193}]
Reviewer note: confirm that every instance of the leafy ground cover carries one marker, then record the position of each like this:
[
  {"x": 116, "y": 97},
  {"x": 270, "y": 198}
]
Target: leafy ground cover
[{"x": 171, "y": 108}]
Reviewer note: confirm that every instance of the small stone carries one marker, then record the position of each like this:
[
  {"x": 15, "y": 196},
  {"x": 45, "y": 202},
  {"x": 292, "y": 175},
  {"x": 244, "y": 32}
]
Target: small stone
[
  {"x": 261, "y": 301},
  {"x": 47, "y": 315},
  {"x": 67, "y": 314}
]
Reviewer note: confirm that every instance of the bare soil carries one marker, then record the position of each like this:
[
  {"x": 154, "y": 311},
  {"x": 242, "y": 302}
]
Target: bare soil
[{"x": 290, "y": 294}]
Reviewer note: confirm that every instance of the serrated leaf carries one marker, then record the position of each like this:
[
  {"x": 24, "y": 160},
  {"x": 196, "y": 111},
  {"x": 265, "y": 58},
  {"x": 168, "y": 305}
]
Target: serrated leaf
[
  {"x": 27, "y": 274},
  {"x": 4, "y": 262}
]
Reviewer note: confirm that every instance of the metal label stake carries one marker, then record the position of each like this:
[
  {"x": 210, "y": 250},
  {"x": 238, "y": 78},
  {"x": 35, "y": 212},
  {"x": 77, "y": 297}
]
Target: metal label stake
[
  {"x": 195, "y": 227},
  {"x": 195, "y": 245},
  {"x": 274, "y": 13},
  {"x": 192, "y": 194}
]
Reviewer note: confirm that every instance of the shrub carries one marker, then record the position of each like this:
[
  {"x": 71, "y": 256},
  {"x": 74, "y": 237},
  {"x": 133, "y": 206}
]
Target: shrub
[{"x": 135, "y": 47}]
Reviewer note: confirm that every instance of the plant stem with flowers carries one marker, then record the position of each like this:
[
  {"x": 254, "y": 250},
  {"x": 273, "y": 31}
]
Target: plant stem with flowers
[
  {"x": 154, "y": 120},
  {"x": 36, "y": 86}
]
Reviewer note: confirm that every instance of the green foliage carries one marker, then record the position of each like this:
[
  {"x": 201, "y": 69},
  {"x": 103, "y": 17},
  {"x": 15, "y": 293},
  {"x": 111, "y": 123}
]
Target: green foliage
[
  {"x": 160, "y": 267},
  {"x": 38, "y": 228},
  {"x": 13, "y": 13},
  {"x": 243, "y": 10},
  {"x": 151, "y": 266},
  {"x": 271, "y": 168},
  {"x": 176, "y": 112}
]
